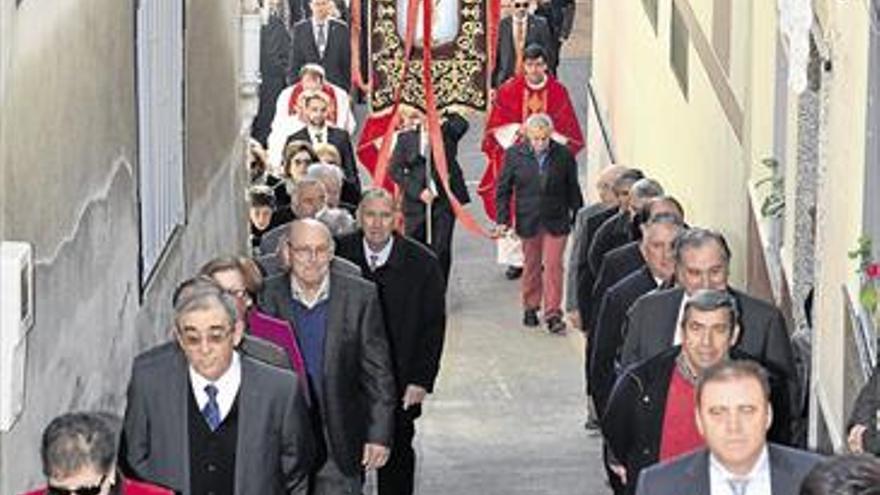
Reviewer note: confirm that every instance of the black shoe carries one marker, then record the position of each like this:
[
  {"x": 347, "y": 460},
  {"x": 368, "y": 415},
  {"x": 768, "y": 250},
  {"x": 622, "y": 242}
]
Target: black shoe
[
  {"x": 530, "y": 318},
  {"x": 513, "y": 272},
  {"x": 555, "y": 325}
]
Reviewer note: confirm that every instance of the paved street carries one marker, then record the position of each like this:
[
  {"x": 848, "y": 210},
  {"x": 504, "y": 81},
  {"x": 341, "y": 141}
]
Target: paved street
[{"x": 507, "y": 416}]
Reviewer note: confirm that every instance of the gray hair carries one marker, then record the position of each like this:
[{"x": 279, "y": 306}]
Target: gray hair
[
  {"x": 338, "y": 220},
  {"x": 370, "y": 194},
  {"x": 539, "y": 120},
  {"x": 202, "y": 293},
  {"x": 710, "y": 300},
  {"x": 646, "y": 188},
  {"x": 303, "y": 183},
  {"x": 697, "y": 237},
  {"x": 76, "y": 441},
  {"x": 321, "y": 171},
  {"x": 664, "y": 219}
]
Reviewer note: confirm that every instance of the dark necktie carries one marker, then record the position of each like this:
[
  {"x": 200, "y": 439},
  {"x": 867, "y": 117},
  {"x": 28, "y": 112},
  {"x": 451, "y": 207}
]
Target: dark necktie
[
  {"x": 738, "y": 486},
  {"x": 211, "y": 411},
  {"x": 374, "y": 262},
  {"x": 319, "y": 137}
]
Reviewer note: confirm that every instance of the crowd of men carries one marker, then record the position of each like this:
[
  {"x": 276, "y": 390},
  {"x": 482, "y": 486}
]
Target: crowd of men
[{"x": 303, "y": 365}]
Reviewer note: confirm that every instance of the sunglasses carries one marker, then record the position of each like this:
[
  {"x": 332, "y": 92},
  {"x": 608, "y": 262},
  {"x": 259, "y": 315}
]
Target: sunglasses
[
  {"x": 520, "y": 5},
  {"x": 83, "y": 490}
]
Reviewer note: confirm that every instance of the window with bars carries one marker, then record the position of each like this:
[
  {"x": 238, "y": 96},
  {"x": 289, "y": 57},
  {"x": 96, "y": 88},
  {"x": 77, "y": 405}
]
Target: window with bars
[
  {"x": 160, "y": 127},
  {"x": 678, "y": 49}
]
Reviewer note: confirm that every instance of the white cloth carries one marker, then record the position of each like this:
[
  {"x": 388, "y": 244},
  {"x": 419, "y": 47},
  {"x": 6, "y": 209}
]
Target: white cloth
[
  {"x": 227, "y": 386},
  {"x": 510, "y": 250},
  {"x": 677, "y": 336},
  {"x": 285, "y": 123},
  {"x": 381, "y": 256},
  {"x": 758, "y": 479}
]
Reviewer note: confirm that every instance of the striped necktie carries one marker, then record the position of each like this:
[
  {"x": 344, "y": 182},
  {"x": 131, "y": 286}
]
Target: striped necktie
[{"x": 211, "y": 411}]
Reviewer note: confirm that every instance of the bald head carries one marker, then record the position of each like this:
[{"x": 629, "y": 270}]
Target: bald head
[
  {"x": 605, "y": 183},
  {"x": 309, "y": 228}
]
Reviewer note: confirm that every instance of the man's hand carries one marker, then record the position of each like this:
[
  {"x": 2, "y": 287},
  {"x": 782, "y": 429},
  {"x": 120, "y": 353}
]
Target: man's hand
[
  {"x": 413, "y": 395},
  {"x": 427, "y": 196},
  {"x": 856, "y": 439},
  {"x": 500, "y": 230},
  {"x": 620, "y": 471},
  {"x": 375, "y": 456},
  {"x": 574, "y": 319}
]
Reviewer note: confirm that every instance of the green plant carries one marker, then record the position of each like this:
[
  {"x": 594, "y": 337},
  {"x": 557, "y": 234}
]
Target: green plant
[{"x": 774, "y": 203}]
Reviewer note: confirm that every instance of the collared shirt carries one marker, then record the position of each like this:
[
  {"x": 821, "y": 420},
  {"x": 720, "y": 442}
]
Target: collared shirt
[
  {"x": 677, "y": 336},
  {"x": 299, "y": 294},
  {"x": 318, "y": 134},
  {"x": 227, "y": 386},
  {"x": 381, "y": 256},
  {"x": 758, "y": 479},
  {"x": 316, "y": 24},
  {"x": 542, "y": 158}
]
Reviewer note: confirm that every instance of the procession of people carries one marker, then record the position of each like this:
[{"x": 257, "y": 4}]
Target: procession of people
[{"x": 305, "y": 363}]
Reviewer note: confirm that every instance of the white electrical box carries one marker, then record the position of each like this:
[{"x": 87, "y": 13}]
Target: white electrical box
[{"x": 16, "y": 319}]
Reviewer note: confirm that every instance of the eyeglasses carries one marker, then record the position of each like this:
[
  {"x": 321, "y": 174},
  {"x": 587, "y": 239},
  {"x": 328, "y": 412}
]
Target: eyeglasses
[
  {"x": 521, "y": 5},
  {"x": 304, "y": 253},
  {"x": 301, "y": 161},
  {"x": 212, "y": 337},
  {"x": 83, "y": 490}
]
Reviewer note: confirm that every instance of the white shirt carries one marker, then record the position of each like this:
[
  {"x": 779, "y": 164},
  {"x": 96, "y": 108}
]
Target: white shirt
[
  {"x": 758, "y": 478},
  {"x": 299, "y": 294},
  {"x": 315, "y": 24},
  {"x": 227, "y": 386},
  {"x": 381, "y": 255},
  {"x": 676, "y": 339},
  {"x": 314, "y": 131}
]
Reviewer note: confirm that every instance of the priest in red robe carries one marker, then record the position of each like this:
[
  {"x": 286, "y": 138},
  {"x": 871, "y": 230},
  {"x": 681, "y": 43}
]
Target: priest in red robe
[{"x": 533, "y": 91}]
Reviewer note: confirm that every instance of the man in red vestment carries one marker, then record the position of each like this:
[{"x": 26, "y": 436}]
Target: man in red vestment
[{"x": 534, "y": 91}]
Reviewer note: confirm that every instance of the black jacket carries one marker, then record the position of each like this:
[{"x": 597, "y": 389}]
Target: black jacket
[
  {"x": 651, "y": 325},
  {"x": 865, "y": 412},
  {"x": 585, "y": 277},
  {"x": 616, "y": 265},
  {"x": 358, "y": 388},
  {"x": 337, "y": 53},
  {"x": 632, "y": 422},
  {"x": 606, "y": 336},
  {"x": 408, "y": 167},
  {"x": 412, "y": 291},
  {"x": 549, "y": 200},
  {"x": 537, "y": 32},
  {"x": 614, "y": 233},
  {"x": 351, "y": 186}
]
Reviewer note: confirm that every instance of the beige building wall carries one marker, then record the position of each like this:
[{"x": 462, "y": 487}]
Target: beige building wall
[
  {"x": 840, "y": 205},
  {"x": 687, "y": 142},
  {"x": 693, "y": 146},
  {"x": 69, "y": 168}
]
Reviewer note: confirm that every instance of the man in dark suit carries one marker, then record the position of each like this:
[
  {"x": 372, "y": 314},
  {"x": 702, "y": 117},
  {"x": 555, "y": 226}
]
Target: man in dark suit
[
  {"x": 650, "y": 414},
  {"x": 623, "y": 226},
  {"x": 324, "y": 41},
  {"x": 607, "y": 200},
  {"x": 702, "y": 261},
  {"x": 515, "y": 32},
  {"x": 543, "y": 175},
  {"x": 341, "y": 334},
  {"x": 586, "y": 278},
  {"x": 203, "y": 418},
  {"x": 318, "y": 131},
  {"x": 409, "y": 169},
  {"x": 655, "y": 249},
  {"x": 733, "y": 415},
  {"x": 412, "y": 291},
  {"x": 621, "y": 261},
  {"x": 863, "y": 433}
]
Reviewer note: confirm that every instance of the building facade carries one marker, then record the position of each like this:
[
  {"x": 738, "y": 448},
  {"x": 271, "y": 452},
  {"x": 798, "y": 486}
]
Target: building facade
[{"x": 123, "y": 144}]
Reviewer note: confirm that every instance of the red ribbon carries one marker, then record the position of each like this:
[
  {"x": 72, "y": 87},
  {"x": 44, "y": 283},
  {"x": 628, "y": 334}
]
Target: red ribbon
[{"x": 438, "y": 151}]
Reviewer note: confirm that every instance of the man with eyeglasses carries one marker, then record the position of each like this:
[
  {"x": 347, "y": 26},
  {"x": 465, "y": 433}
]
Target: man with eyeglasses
[
  {"x": 202, "y": 418},
  {"x": 412, "y": 291},
  {"x": 515, "y": 32},
  {"x": 341, "y": 334}
]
